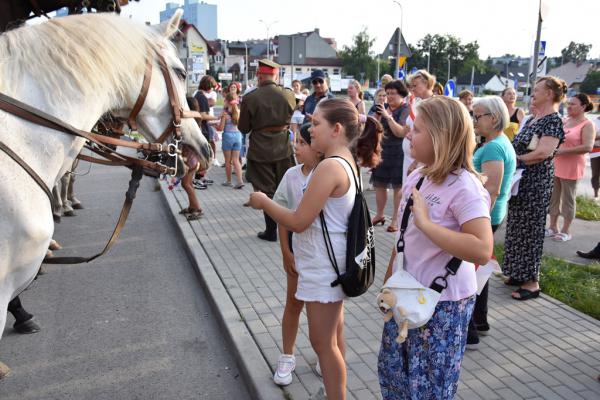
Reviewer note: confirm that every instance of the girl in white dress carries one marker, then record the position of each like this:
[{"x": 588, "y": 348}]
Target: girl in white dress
[{"x": 336, "y": 132}]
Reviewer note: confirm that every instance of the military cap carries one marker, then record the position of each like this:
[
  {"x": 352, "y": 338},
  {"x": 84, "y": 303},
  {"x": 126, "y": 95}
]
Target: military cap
[{"x": 266, "y": 66}]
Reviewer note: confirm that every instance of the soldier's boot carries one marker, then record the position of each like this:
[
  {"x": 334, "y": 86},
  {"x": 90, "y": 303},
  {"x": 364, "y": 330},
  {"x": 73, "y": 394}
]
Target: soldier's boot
[{"x": 270, "y": 232}]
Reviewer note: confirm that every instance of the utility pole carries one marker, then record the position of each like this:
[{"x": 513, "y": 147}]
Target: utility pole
[
  {"x": 536, "y": 51},
  {"x": 292, "y": 56},
  {"x": 268, "y": 26},
  {"x": 428, "y": 56},
  {"x": 448, "y": 67},
  {"x": 399, "y": 40}
]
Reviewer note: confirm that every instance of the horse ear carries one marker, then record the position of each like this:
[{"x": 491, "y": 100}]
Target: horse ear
[{"x": 172, "y": 26}]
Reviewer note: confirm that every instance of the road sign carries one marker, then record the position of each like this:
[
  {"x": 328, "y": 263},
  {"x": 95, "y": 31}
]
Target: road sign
[
  {"x": 542, "y": 48},
  {"x": 450, "y": 88},
  {"x": 401, "y": 61},
  {"x": 225, "y": 76},
  {"x": 598, "y": 90},
  {"x": 401, "y": 74},
  {"x": 413, "y": 70},
  {"x": 254, "y": 63}
]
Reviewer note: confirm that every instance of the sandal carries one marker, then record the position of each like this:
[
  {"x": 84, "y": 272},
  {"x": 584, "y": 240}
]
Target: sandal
[
  {"x": 185, "y": 211},
  {"x": 377, "y": 221},
  {"x": 525, "y": 294},
  {"x": 562, "y": 237},
  {"x": 549, "y": 232},
  {"x": 392, "y": 228},
  {"x": 194, "y": 215},
  {"x": 239, "y": 186}
]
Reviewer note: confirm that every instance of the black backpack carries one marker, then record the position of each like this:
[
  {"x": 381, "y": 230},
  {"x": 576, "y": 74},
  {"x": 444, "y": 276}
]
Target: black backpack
[{"x": 360, "y": 246}]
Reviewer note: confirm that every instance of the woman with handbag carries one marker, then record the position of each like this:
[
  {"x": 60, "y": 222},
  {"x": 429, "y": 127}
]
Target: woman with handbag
[
  {"x": 535, "y": 146},
  {"x": 449, "y": 220},
  {"x": 336, "y": 132}
]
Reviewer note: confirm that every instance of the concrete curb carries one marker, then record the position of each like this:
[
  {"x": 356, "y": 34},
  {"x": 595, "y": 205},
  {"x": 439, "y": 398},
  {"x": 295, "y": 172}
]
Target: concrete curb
[{"x": 253, "y": 366}]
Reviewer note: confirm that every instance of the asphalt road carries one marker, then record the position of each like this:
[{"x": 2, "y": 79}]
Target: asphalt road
[{"x": 133, "y": 324}]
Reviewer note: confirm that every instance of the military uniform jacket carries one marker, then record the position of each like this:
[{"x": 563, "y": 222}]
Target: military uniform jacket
[{"x": 268, "y": 106}]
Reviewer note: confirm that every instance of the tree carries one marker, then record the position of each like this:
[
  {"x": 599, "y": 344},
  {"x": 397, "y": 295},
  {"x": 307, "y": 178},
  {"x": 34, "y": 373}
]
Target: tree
[
  {"x": 358, "y": 60},
  {"x": 576, "y": 52},
  {"x": 441, "y": 48},
  {"x": 591, "y": 82}
]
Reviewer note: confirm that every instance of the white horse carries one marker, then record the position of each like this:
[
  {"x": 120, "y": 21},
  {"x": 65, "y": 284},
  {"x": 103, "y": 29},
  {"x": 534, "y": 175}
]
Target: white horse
[{"x": 74, "y": 68}]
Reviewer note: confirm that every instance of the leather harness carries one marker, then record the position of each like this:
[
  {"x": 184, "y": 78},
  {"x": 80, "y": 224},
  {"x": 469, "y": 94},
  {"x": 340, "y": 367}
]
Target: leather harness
[{"x": 98, "y": 144}]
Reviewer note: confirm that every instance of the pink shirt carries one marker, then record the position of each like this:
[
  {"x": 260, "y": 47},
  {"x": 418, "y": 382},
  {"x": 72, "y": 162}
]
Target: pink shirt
[
  {"x": 459, "y": 199},
  {"x": 571, "y": 166}
]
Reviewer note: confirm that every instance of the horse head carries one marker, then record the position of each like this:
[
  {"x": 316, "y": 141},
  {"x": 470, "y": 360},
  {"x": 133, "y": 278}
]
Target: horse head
[{"x": 164, "y": 114}]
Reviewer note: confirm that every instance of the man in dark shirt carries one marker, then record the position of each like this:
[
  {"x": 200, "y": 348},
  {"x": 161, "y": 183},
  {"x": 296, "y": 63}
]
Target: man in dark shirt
[
  {"x": 317, "y": 78},
  {"x": 265, "y": 113}
]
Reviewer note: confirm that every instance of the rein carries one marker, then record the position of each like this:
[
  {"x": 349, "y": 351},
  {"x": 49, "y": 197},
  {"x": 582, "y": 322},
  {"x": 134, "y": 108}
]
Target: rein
[{"x": 99, "y": 145}]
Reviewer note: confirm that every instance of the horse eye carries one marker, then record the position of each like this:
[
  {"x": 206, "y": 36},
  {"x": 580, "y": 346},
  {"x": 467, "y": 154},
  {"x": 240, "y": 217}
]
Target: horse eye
[{"x": 180, "y": 73}]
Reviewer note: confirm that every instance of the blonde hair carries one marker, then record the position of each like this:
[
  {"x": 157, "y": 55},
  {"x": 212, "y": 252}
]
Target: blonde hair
[
  {"x": 558, "y": 86},
  {"x": 358, "y": 88},
  {"x": 452, "y": 134},
  {"x": 423, "y": 74},
  {"x": 233, "y": 107}
]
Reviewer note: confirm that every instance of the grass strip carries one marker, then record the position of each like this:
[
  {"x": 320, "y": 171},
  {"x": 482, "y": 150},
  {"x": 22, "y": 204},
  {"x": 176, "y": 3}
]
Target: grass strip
[
  {"x": 575, "y": 285},
  {"x": 587, "y": 209}
]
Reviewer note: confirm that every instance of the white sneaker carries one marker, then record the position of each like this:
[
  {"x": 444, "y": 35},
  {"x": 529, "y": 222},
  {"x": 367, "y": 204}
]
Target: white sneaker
[
  {"x": 216, "y": 163},
  {"x": 285, "y": 366}
]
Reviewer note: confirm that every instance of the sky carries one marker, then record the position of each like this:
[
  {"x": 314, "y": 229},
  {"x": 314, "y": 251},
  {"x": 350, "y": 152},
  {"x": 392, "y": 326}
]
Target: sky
[{"x": 500, "y": 27}]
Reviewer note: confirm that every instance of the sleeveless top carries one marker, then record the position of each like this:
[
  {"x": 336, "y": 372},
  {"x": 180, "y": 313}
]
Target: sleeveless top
[
  {"x": 337, "y": 209},
  {"x": 571, "y": 166},
  {"x": 513, "y": 126},
  {"x": 230, "y": 127}
]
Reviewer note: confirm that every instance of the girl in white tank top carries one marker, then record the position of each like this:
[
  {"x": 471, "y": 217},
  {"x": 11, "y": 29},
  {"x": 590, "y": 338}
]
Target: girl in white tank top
[{"x": 336, "y": 131}]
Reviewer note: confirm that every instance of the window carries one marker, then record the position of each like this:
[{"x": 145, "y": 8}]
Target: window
[
  {"x": 336, "y": 71},
  {"x": 298, "y": 69}
]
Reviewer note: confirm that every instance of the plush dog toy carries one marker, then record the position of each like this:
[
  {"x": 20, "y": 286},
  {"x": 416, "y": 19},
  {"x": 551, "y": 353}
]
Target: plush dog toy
[{"x": 386, "y": 300}]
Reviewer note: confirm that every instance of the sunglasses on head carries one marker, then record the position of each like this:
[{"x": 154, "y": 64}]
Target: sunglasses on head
[{"x": 317, "y": 81}]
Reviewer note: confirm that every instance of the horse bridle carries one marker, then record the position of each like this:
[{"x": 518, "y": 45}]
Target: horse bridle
[{"x": 98, "y": 144}]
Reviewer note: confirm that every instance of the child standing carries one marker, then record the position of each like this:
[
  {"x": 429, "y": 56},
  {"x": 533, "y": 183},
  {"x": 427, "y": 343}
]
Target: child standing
[
  {"x": 288, "y": 194},
  {"x": 336, "y": 133},
  {"x": 232, "y": 139},
  {"x": 450, "y": 218}
]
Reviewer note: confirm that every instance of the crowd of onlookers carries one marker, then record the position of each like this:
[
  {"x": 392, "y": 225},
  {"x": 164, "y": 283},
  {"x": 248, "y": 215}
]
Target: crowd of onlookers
[{"x": 466, "y": 166}]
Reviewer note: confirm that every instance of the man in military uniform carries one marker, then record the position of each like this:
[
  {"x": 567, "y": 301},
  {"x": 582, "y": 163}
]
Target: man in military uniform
[{"x": 266, "y": 113}]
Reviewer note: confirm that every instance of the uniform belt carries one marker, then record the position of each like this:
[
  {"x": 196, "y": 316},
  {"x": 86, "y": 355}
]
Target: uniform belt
[{"x": 273, "y": 129}]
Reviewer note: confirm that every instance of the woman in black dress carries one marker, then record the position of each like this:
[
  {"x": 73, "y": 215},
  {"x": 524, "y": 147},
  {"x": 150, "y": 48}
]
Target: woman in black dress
[
  {"x": 535, "y": 146},
  {"x": 389, "y": 172}
]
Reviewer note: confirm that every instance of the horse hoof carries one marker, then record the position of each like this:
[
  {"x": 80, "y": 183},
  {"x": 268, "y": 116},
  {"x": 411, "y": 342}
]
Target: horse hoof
[
  {"x": 4, "y": 370},
  {"x": 56, "y": 218},
  {"x": 77, "y": 206},
  {"x": 69, "y": 213},
  {"x": 54, "y": 245},
  {"x": 42, "y": 270},
  {"x": 27, "y": 327}
]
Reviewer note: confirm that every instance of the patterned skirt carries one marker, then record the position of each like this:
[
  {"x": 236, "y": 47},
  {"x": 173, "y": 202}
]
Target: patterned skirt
[{"x": 427, "y": 365}]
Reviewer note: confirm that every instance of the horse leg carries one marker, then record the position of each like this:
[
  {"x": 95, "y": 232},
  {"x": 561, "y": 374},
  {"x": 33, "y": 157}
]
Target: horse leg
[
  {"x": 4, "y": 370},
  {"x": 66, "y": 204},
  {"x": 75, "y": 203},
  {"x": 24, "y": 322},
  {"x": 56, "y": 211}
]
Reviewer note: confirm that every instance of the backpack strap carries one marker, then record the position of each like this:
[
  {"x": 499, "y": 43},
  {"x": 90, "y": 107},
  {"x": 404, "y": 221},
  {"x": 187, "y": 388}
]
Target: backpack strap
[
  {"x": 326, "y": 237},
  {"x": 439, "y": 282}
]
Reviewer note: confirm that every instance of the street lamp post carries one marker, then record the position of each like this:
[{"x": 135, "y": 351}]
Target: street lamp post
[
  {"x": 428, "y": 56},
  {"x": 448, "y": 67},
  {"x": 399, "y": 39},
  {"x": 246, "y": 65},
  {"x": 268, "y": 26}
]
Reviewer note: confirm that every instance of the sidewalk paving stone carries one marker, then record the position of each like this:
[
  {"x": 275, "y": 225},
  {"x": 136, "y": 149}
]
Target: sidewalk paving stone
[{"x": 535, "y": 349}]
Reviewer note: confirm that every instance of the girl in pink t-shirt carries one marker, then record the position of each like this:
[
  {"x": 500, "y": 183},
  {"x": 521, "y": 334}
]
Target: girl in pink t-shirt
[{"x": 450, "y": 218}]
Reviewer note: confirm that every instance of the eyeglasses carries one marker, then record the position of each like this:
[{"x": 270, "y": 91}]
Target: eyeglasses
[
  {"x": 476, "y": 117},
  {"x": 317, "y": 82}
]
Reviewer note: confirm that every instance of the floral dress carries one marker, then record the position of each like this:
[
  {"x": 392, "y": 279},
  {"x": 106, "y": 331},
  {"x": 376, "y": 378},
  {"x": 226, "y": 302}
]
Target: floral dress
[{"x": 527, "y": 210}]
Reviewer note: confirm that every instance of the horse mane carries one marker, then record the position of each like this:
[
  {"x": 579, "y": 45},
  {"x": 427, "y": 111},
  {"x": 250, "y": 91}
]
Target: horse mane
[{"x": 74, "y": 57}]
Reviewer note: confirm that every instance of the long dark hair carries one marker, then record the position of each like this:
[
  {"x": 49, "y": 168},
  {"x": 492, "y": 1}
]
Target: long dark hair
[{"x": 365, "y": 144}]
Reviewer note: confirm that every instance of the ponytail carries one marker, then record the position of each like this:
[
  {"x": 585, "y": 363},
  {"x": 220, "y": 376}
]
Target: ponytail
[{"x": 367, "y": 147}]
